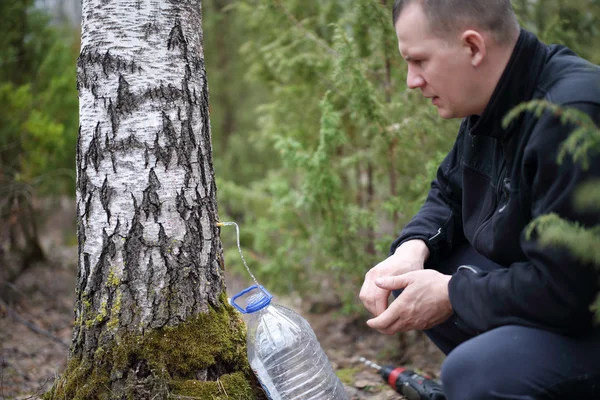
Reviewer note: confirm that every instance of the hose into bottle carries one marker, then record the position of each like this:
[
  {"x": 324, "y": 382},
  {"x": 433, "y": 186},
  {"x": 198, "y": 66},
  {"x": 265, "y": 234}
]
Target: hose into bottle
[{"x": 237, "y": 230}]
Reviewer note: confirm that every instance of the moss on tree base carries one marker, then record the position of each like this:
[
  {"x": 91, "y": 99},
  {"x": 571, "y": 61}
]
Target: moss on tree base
[{"x": 202, "y": 358}]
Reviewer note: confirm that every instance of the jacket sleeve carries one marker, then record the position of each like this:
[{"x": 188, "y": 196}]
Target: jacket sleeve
[
  {"x": 439, "y": 221},
  {"x": 552, "y": 290}
]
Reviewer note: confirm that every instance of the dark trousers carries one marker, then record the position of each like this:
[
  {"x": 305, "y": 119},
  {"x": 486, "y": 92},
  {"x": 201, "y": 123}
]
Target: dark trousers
[{"x": 514, "y": 362}]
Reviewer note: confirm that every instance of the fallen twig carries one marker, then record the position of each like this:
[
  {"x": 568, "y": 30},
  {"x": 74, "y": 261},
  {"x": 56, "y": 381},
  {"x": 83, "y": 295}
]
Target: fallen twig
[{"x": 32, "y": 325}]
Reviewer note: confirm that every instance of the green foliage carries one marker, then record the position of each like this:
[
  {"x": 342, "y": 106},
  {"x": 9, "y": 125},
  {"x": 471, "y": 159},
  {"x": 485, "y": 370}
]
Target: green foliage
[
  {"x": 39, "y": 101},
  {"x": 583, "y": 142},
  {"x": 350, "y": 141},
  {"x": 331, "y": 153},
  {"x": 555, "y": 231},
  {"x": 575, "y": 23}
]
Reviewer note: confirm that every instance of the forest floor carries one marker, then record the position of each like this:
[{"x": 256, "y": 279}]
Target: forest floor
[{"x": 44, "y": 297}]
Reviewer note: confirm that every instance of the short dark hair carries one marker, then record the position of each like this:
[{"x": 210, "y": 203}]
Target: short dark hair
[{"x": 494, "y": 16}]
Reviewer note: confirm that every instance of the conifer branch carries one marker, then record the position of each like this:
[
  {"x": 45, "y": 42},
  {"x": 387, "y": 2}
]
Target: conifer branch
[
  {"x": 552, "y": 230},
  {"x": 583, "y": 141},
  {"x": 308, "y": 33}
]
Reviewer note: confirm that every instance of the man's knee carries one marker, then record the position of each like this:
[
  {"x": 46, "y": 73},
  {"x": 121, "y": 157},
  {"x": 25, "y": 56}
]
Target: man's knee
[
  {"x": 465, "y": 374},
  {"x": 485, "y": 368}
]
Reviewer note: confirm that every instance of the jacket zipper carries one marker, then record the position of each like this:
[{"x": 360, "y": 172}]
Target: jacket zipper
[
  {"x": 497, "y": 197},
  {"x": 439, "y": 232}
]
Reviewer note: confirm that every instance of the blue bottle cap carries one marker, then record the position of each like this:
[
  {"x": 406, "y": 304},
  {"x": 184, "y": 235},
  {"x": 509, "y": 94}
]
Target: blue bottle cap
[{"x": 256, "y": 302}]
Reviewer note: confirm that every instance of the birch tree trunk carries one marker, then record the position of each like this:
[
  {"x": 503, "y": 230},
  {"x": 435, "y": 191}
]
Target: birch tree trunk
[{"x": 152, "y": 319}]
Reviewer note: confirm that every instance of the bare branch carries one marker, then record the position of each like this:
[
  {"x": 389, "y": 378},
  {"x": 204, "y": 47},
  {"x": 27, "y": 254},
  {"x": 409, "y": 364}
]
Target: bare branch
[{"x": 32, "y": 326}]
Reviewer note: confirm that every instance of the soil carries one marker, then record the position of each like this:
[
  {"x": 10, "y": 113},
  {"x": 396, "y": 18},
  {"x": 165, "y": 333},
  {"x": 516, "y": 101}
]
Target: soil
[{"x": 45, "y": 296}]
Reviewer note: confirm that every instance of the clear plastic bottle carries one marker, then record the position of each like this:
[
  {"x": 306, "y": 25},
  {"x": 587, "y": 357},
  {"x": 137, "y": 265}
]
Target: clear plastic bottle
[{"x": 285, "y": 354}]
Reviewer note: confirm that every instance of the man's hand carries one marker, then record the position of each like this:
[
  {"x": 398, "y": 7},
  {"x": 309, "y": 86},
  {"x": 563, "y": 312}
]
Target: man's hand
[
  {"x": 423, "y": 304},
  {"x": 410, "y": 256}
]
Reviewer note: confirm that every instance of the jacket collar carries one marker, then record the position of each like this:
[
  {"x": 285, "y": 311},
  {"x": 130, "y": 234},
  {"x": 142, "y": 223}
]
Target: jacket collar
[{"x": 515, "y": 86}]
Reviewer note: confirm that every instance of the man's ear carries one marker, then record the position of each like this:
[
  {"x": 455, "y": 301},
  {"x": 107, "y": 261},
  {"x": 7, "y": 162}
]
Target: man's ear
[{"x": 474, "y": 43}]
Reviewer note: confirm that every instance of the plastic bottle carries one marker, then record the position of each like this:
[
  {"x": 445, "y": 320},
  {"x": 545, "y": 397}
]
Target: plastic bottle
[{"x": 284, "y": 352}]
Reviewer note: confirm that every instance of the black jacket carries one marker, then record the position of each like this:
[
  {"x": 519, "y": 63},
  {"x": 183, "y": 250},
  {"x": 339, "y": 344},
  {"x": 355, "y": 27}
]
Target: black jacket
[{"x": 495, "y": 181}]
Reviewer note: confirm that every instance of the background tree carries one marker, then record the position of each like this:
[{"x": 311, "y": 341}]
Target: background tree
[
  {"x": 320, "y": 151},
  {"x": 38, "y": 126},
  {"x": 583, "y": 146},
  {"x": 152, "y": 319},
  {"x": 354, "y": 164}
]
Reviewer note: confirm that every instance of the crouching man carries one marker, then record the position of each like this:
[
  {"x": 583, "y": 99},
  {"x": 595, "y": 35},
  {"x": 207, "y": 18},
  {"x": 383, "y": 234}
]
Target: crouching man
[{"x": 513, "y": 317}]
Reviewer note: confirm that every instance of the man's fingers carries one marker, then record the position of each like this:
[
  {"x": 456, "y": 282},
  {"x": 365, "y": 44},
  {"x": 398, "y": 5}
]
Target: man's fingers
[
  {"x": 393, "y": 282},
  {"x": 381, "y": 302},
  {"x": 374, "y": 298},
  {"x": 386, "y": 319},
  {"x": 367, "y": 298}
]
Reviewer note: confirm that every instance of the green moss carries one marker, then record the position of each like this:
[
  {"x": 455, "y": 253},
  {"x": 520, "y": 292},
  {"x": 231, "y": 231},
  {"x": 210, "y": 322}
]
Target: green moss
[
  {"x": 101, "y": 316},
  {"x": 230, "y": 386},
  {"x": 80, "y": 381},
  {"x": 346, "y": 375},
  {"x": 172, "y": 354},
  {"x": 113, "y": 279},
  {"x": 114, "y": 312},
  {"x": 210, "y": 338}
]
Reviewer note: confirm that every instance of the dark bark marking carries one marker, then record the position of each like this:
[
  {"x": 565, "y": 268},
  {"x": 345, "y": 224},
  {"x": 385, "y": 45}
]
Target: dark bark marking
[
  {"x": 126, "y": 100},
  {"x": 94, "y": 154},
  {"x": 94, "y": 291},
  {"x": 176, "y": 39},
  {"x": 185, "y": 149},
  {"x": 182, "y": 205},
  {"x": 110, "y": 149},
  {"x": 129, "y": 143},
  {"x": 160, "y": 301},
  {"x": 188, "y": 141},
  {"x": 88, "y": 206},
  {"x": 165, "y": 249},
  {"x": 150, "y": 29},
  {"x": 80, "y": 238},
  {"x": 114, "y": 119},
  {"x": 186, "y": 88},
  {"x": 86, "y": 267},
  {"x": 168, "y": 94},
  {"x": 147, "y": 155},
  {"x": 168, "y": 131},
  {"x": 105, "y": 195},
  {"x": 132, "y": 250},
  {"x": 100, "y": 275},
  {"x": 208, "y": 205},
  {"x": 82, "y": 179},
  {"x": 151, "y": 201},
  {"x": 204, "y": 115},
  {"x": 78, "y": 154},
  {"x": 189, "y": 265},
  {"x": 187, "y": 136},
  {"x": 78, "y": 329},
  {"x": 106, "y": 61}
]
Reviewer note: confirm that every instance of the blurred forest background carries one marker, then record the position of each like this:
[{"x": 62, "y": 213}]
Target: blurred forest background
[{"x": 321, "y": 152}]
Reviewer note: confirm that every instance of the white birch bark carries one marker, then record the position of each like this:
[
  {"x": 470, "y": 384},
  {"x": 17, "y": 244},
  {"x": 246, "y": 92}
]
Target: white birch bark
[{"x": 146, "y": 198}]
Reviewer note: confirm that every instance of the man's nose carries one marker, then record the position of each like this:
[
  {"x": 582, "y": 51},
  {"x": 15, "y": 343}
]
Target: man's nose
[{"x": 413, "y": 80}]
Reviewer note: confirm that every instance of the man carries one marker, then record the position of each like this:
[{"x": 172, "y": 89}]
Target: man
[{"x": 513, "y": 316}]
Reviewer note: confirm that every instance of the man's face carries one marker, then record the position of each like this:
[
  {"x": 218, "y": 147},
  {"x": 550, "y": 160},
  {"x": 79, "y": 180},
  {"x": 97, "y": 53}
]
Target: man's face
[{"x": 440, "y": 67}]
